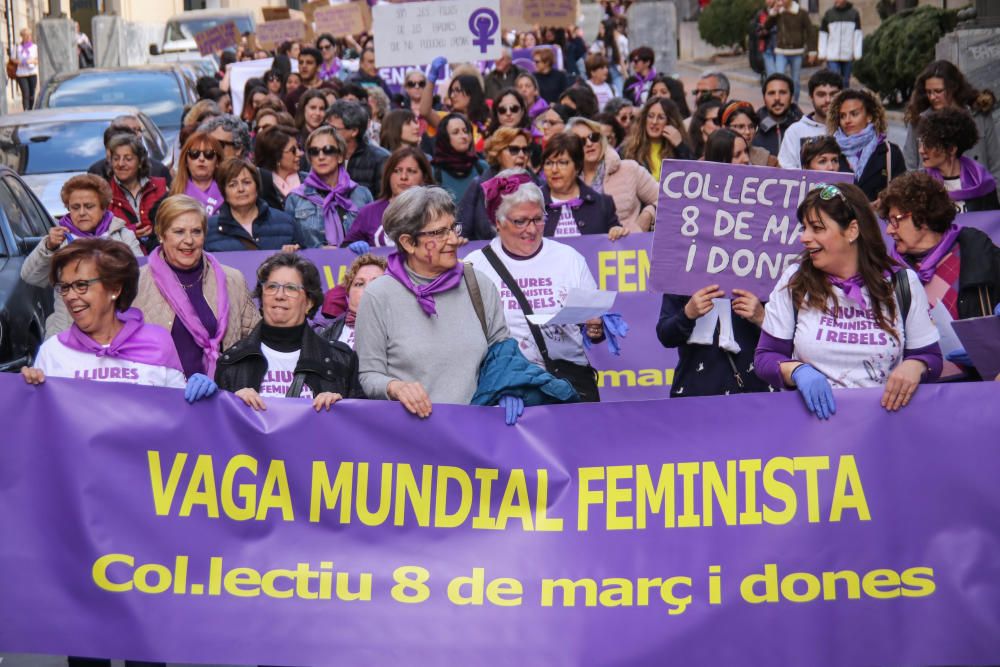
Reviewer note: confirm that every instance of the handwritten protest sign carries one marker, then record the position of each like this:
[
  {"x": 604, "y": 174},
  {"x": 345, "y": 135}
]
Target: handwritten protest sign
[
  {"x": 557, "y": 13},
  {"x": 512, "y": 15},
  {"x": 271, "y": 34},
  {"x": 217, "y": 38},
  {"x": 338, "y": 20},
  {"x": 728, "y": 224},
  {"x": 416, "y": 33}
]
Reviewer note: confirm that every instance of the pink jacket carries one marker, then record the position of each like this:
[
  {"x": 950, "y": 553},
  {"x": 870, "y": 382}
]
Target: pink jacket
[{"x": 632, "y": 187}]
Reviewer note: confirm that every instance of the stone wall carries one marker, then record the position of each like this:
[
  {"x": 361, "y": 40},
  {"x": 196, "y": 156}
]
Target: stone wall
[{"x": 654, "y": 24}]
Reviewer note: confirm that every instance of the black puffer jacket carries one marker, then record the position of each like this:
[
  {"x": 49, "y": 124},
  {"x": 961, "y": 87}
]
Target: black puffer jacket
[
  {"x": 328, "y": 365},
  {"x": 365, "y": 167},
  {"x": 978, "y": 274}
]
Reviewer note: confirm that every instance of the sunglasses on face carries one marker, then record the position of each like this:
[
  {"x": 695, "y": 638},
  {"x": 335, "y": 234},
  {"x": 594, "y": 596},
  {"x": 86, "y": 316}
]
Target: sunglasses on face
[
  {"x": 325, "y": 150},
  {"x": 207, "y": 154},
  {"x": 514, "y": 108},
  {"x": 517, "y": 150},
  {"x": 416, "y": 84},
  {"x": 592, "y": 138}
]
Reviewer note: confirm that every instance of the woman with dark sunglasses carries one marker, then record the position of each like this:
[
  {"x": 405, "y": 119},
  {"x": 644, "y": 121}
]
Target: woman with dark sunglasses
[
  {"x": 328, "y": 201},
  {"x": 633, "y": 189},
  {"x": 330, "y": 67},
  {"x": 847, "y": 315},
  {"x": 196, "y": 167}
]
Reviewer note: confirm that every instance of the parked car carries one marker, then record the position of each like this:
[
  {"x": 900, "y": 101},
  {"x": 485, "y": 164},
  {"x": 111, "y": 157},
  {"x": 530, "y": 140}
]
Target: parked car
[
  {"x": 160, "y": 91},
  {"x": 50, "y": 146},
  {"x": 23, "y": 307},
  {"x": 181, "y": 29}
]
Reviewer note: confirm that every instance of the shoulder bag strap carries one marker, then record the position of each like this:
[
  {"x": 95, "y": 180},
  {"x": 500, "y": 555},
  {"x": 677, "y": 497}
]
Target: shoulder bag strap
[
  {"x": 901, "y": 286},
  {"x": 469, "y": 274},
  {"x": 295, "y": 389},
  {"x": 512, "y": 285}
]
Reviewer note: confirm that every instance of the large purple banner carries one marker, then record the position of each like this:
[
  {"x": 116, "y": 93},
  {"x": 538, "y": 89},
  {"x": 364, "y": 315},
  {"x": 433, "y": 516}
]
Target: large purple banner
[{"x": 733, "y": 530}]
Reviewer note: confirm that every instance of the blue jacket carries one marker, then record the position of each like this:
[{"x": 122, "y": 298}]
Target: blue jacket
[
  {"x": 506, "y": 371},
  {"x": 271, "y": 230},
  {"x": 309, "y": 217}
]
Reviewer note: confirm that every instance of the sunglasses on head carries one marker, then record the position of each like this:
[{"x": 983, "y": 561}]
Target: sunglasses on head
[
  {"x": 325, "y": 150},
  {"x": 513, "y": 108},
  {"x": 416, "y": 84},
  {"x": 828, "y": 192},
  {"x": 208, "y": 154}
]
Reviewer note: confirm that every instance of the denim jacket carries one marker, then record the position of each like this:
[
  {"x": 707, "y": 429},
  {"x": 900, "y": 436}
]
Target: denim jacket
[{"x": 309, "y": 217}]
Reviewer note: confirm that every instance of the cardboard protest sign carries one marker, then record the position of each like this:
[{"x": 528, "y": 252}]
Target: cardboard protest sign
[
  {"x": 338, "y": 20},
  {"x": 271, "y": 34},
  {"x": 416, "y": 33},
  {"x": 512, "y": 15},
  {"x": 217, "y": 38},
  {"x": 730, "y": 225},
  {"x": 275, "y": 13},
  {"x": 556, "y": 13}
]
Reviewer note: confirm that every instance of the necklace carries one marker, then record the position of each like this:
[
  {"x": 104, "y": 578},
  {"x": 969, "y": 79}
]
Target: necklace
[{"x": 196, "y": 281}]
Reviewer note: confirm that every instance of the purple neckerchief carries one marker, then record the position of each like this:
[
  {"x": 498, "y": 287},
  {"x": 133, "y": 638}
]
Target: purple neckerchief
[
  {"x": 497, "y": 187},
  {"x": 450, "y": 279},
  {"x": 327, "y": 72},
  {"x": 640, "y": 84},
  {"x": 927, "y": 265},
  {"x": 211, "y": 199},
  {"x": 136, "y": 342},
  {"x": 975, "y": 179},
  {"x": 170, "y": 287},
  {"x": 539, "y": 107},
  {"x": 852, "y": 287},
  {"x": 328, "y": 200},
  {"x": 572, "y": 203},
  {"x": 100, "y": 230}
]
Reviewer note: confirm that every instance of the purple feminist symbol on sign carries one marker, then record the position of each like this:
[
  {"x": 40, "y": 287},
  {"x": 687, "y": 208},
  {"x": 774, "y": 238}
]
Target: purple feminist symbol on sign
[{"x": 483, "y": 23}]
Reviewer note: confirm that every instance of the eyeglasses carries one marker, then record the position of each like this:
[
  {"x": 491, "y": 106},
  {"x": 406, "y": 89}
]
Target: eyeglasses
[
  {"x": 709, "y": 91},
  {"x": 521, "y": 223},
  {"x": 742, "y": 127},
  {"x": 227, "y": 144},
  {"x": 293, "y": 149},
  {"x": 635, "y": 60},
  {"x": 326, "y": 47},
  {"x": 517, "y": 150},
  {"x": 545, "y": 122},
  {"x": 442, "y": 233},
  {"x": 456, "y": 91},
  {"x": 79, "y": 286},
  {"x": 207, "y": 154},
  {"x": 289, "y": 289},
  {"x": 830, "y": 191},
  {"x": 325, "y": 150},
  {"x": 894, "y": 220},
  {"x": 557, "y": 164},
  {"x": 514, "y": 108},
  {"x": 416, "y": 84}
]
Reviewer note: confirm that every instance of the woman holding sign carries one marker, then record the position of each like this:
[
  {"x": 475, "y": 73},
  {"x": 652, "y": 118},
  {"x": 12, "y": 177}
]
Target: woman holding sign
[{"x": 846, "y": 316}]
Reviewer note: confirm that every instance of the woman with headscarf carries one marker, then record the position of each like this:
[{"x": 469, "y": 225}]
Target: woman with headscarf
[
  {"x": 456, "y": 164},
  {"x": 328, "y": 201},
  {"x": 87, "y": 198},
  {"x": 857, "y": 121}
]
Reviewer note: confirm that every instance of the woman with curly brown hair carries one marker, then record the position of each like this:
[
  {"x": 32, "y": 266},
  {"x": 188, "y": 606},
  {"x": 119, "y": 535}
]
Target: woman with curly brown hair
[
  {"x": 942, "y": 85},
  {"x": 657, "y": 134},
  {"x": 857, "y": 121},
  {"x": 958, "y": 266},
  {"x": 842, "y": 318},
  {"x": 943, "y": 138}
]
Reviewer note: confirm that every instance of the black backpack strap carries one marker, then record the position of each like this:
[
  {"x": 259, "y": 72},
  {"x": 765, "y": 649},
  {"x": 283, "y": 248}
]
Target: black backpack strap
[
  {"x": 901, "y": 287},
  {"x": 512, "y": 285},
  {"x": 472, "y": 284}
]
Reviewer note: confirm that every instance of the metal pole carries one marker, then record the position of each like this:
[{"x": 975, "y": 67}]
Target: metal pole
[{"x": 55, "y": 10}]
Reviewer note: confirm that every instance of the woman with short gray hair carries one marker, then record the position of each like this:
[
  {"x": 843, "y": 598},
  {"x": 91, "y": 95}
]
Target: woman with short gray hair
[
  {"x": 520, "y": 256},
  {"x": 421, "y": 336}
]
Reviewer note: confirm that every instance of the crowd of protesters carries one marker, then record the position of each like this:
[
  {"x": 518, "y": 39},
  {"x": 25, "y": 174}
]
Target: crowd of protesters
[{"x": 520, "y": 157}]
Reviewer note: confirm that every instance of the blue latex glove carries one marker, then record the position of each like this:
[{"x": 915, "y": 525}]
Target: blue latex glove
[
  {"x": 996, "y": 311},
  {"x": 815, "y": 390},
  {"x": 437, "y": 69},
  {"x": 199, "y": 386},
  {"x": 615, "y": 328},
  {"x": 359, "y": 247},
  {"x": 960, "y": 357},
  {"x": 513, "y": 406}
]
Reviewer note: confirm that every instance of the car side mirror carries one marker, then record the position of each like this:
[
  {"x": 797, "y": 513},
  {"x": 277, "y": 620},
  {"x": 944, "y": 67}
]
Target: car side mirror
[{"x": 154, "y": 49}]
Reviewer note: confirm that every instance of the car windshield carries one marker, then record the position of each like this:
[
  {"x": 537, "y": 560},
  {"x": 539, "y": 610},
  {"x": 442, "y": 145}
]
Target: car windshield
[
  {"x": 45, "y": 148},
  {"x": 155, "y": 93},
  {"x": 188, "y": 28}
]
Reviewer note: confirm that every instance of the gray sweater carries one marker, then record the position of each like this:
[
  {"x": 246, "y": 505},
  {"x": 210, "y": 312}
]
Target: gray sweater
[{"x": 396, "y": 340}]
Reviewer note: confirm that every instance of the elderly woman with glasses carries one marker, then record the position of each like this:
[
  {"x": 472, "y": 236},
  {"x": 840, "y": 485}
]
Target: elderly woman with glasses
[
  {"x": 520, "y": 255},
  {"x": 283, "y": 357},
  {"x": 572, "y": 207},
  {"x": 632, "y": 188},
  {"x": 196, "y": 166},
  {"x": 328, "y": 201},
  {"x": 421, "y": 317},
  {"x": 245, "y": 221}
]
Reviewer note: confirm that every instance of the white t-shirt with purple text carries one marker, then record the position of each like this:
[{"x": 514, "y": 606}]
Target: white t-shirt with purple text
[
  {"x": 280, "y": 373},
  {"x": 845, "y": 344},
  {"x": 59, "y": 361}
]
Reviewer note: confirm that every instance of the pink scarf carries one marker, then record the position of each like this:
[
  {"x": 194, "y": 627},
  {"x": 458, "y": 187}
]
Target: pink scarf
[
  {"x": 166, "y": 281},
  {"x": 136, "y": 342}
]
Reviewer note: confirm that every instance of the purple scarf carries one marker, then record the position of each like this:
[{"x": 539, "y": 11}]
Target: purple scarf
[
  {"x": 211, "y": 199},
  {"x": 327, "y": 72},
  {"x": 425, "y": 293},
  {"x": 927, "y": 265},
  {"x": 100, "y": 230},
  {"x": 166, "y": 281},
  {"x": 976, "y": 180},
  {"x": 329, "y": 200},
  {"x": 640, "y": 84},
  {"x": 136, "y": 342},
  {"x": 852, "y": 287},
  {"x": 572, "y": 203},
  {"x": 497, "y": 187}
]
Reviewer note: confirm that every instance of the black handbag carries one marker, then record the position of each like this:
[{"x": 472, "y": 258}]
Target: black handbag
[{"x": 583, "y": 378}]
